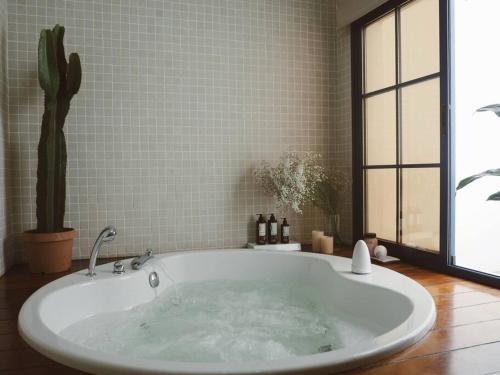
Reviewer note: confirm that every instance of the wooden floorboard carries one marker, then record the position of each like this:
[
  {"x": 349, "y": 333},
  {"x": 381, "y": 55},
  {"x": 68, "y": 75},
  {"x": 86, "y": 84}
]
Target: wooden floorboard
[
  {"x": 467, "y": 315},
  {"x": 477, "y": 360},
  {"x": 464, "y": 340}
]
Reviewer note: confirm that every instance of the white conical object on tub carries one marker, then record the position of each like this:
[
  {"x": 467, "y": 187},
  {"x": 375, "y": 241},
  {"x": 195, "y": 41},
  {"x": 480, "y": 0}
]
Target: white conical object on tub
[{"x": 361, "y": 262}]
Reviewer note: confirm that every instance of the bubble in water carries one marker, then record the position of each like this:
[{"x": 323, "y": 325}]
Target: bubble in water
[{"x": 221, "y": 321}]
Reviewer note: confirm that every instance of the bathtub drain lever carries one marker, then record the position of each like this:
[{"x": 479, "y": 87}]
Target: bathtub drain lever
[{"x": 325, "y": 348}]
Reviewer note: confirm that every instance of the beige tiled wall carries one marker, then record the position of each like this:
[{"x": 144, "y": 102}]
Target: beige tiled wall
[{"x": 179, "y": 101}]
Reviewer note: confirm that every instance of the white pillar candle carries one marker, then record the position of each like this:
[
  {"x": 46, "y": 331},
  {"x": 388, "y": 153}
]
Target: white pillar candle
[
  {"x": 316, "y": 240},
  {"x": 327, "y": 245}
]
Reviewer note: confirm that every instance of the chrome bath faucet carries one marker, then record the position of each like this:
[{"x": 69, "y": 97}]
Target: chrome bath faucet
[{"x": 138, "y": 262}]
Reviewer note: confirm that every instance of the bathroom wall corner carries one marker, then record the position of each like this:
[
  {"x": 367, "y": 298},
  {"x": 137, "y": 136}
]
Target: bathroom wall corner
[
  {"x": 342, "y": 134},
  {"x": 7, "y": 251}
]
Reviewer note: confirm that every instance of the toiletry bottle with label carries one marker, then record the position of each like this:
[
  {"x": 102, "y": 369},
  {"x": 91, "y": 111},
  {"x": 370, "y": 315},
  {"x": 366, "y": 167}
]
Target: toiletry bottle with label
[
  {"x": 285, "y": 231},
  {"x": 261, "y": 230},
  {"x": 272, "y": 227}
]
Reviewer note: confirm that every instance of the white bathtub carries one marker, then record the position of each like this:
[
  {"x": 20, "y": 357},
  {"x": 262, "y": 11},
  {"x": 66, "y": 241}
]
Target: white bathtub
[{"x": 402, "y": 310}]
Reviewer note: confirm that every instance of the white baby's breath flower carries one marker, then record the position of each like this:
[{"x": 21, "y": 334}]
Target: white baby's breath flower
[{"x": 293, "y": 181}]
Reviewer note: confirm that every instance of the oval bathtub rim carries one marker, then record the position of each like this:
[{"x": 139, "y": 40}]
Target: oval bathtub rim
[{"x": 61, "y": 350}]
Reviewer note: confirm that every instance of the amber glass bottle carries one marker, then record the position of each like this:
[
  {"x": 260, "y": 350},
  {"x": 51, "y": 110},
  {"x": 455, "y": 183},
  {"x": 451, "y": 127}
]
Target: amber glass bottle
[
  {"x": 261, "y": 231},
  {"x": 272, "y": 228},
  {"x": 285, "y": 231}
]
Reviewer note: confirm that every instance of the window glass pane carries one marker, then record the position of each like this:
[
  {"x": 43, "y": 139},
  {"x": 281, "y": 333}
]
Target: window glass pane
[
  {"x": 419, "y": 39},
  {"x": 380, "y": 55},
  {"x": 420, "y": 122},
  {"x": 420, "y": 208},
  {"x": 380, "y": 117},
  {"x": 476, "y": 134},
  {"x": 380, "y": 200}
]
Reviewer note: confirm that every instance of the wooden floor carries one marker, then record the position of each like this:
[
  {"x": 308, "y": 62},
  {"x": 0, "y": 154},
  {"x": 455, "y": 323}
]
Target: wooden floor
[{"x": 465, "y": 339}]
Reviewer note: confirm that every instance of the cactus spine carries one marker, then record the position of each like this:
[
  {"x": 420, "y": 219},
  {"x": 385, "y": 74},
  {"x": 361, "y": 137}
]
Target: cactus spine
[{"x": 60, "y": 79}]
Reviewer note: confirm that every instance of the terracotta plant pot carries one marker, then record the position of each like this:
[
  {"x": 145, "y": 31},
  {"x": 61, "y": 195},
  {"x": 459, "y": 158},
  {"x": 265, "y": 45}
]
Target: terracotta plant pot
[{"x": 49, "y": 252}]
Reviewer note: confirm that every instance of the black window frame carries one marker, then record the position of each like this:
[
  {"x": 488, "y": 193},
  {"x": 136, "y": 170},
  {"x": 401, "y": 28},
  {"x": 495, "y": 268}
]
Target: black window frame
[{"x": 442, "y": 261}]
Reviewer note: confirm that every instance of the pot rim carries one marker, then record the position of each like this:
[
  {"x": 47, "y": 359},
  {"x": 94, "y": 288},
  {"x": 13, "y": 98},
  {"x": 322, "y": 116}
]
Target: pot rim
[{"x": 33, "y": 236}]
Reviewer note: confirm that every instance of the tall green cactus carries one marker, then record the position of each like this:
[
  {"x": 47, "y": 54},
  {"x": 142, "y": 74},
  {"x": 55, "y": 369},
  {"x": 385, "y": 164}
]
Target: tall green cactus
[{"x": 60, "y": 80}]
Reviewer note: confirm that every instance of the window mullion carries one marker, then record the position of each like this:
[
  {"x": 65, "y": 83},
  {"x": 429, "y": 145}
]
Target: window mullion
[
  {"x": 401, "y": 85},
  {"x": 398, "y": 124}
]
